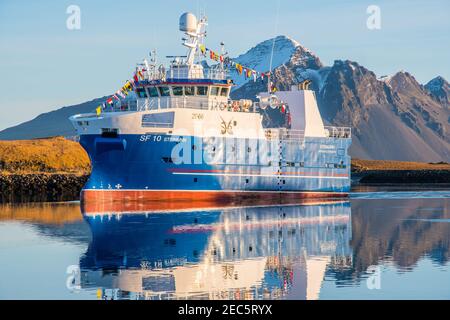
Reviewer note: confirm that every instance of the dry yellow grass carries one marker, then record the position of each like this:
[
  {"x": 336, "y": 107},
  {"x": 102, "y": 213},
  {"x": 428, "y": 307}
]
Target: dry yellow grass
[
  {"x": 52, "y": 155},
  {"x": 364, "y": 165},
  {"x": 42, "y": 213}
]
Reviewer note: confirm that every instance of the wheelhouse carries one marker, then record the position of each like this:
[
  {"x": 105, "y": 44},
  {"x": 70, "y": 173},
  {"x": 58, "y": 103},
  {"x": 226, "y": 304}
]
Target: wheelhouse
[{"x": 206, "y": 94}]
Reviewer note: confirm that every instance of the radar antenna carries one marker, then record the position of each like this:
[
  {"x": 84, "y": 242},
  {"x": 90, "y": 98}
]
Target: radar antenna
[{"x": 193, "y": 29}]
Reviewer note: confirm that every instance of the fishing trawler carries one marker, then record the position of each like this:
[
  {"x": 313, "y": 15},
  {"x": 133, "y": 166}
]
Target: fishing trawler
[{"x": 183, "y": 138}]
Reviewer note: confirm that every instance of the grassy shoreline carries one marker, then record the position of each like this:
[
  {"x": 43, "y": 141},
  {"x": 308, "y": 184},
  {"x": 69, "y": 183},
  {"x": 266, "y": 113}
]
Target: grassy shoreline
[{"x": 399, "y": 172}]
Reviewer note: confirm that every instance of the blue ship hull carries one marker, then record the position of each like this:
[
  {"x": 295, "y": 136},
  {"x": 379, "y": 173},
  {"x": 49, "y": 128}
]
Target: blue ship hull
[{"x": 146, "y": 163}]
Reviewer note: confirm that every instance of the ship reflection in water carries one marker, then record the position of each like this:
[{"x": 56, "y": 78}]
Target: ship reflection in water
[{"x": 264, "y": 252}]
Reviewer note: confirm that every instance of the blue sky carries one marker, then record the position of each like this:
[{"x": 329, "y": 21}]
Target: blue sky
[{"x": 43, "y": 65}]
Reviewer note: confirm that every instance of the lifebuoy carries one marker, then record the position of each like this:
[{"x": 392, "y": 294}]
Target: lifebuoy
[
  {"x": 273, "y": 101},
  {"x": 235, "y": 106}
]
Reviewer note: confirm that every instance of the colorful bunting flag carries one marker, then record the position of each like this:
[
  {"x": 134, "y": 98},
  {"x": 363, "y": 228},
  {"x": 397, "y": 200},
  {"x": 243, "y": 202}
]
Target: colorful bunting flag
[
  {"x": 248, "y": 72},
  {"x": 203, "y": 49},
  {"x": 273, "y": 88},
  {"x": 128, "y": 86},
  {"x": 120, "y": 94},
  {"x": 239, "y": 68},
  {"x": 98, "y": 110}
]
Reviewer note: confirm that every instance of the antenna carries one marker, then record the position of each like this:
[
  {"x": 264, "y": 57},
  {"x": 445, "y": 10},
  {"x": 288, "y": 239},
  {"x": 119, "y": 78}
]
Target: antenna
[
  {"x": 192, "y": 28},
  {"x": 153, "y": 55},
  {"x": 223, "y": 52},
  {"x": 273, "y": 48}
]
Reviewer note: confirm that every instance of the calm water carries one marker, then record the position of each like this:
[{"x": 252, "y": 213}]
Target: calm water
[{"x": 377, "y": 245}]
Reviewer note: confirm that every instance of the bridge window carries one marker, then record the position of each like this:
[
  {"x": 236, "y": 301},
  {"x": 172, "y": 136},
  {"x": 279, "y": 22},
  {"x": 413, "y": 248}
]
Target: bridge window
[
  {"x": 214, "y": 91},
  {"x": 164, "y": 91},
  {"x": 152, "y": 92},
  {"x": 141, "y": 93},
  {"x": 202, "y": 91},
  {"x": 110, "y": 132},
  {"x": 158, "y": 120},
  {"x": 189, "y": 91},
  {"x": 177, "y": 91},
  {"x": 224, "y": 92}
]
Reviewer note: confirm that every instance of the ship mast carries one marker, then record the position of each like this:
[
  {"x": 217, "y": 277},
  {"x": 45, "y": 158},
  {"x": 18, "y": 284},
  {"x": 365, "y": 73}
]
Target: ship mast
[{"x": 193, "y": 30}]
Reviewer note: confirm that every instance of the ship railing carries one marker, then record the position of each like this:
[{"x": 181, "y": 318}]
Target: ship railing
[
  {"x": 299, "y": 135},
  {"x": 338, "y": 132},
  {"x": 292, "y": 134},
  {"x": 170, "y": 103},
  {"x": 284, "y": 134},
  {"x": 216, "y": 74},
  {"x": 192, "y": 103},
  {"x": 123, "y": 106},
  {"x": 185, "y": 73}
]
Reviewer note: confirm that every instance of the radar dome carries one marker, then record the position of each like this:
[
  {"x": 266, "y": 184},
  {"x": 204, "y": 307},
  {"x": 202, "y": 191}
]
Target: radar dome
[{"x": 188, "y": 22}]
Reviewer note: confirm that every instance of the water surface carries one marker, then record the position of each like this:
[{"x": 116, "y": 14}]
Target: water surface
[{"x": 376, "y": 245}]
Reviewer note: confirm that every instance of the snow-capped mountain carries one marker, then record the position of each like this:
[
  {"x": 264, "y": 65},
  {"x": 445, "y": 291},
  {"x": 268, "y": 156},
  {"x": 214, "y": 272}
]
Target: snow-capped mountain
[
  {"x": 439, "y": 89},
  {"x": 285, "y": 50}
]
